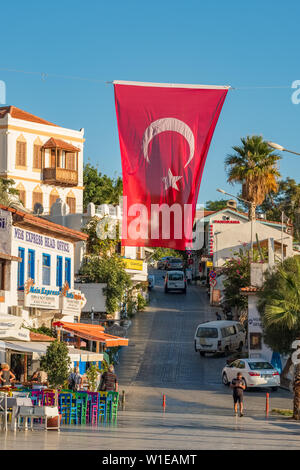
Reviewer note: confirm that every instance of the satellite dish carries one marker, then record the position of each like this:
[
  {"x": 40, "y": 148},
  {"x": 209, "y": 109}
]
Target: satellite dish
[{"x": 38, "y": 208}]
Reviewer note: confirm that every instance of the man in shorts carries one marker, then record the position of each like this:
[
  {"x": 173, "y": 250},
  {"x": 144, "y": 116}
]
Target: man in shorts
[{"x": 238, "y": 386}]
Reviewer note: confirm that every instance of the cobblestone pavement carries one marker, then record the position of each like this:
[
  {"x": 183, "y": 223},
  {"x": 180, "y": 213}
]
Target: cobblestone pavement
[{"x": 160, "y": 359}]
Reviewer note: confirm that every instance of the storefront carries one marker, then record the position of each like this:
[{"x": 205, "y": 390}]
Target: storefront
[{"x": 38, "y": 278}]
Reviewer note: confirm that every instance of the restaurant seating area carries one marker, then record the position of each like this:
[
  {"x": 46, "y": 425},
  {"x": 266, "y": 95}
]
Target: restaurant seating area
[{"x": 78, "y": 408}]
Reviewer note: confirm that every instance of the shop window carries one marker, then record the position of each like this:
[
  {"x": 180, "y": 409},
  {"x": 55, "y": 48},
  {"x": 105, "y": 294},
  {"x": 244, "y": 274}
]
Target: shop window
[
  {"x": 255, "y": 340},
  {"x": 59, "y": 274},
  {"x": 68, "y": 271},
  {"x": 31, "y": 264},
  {"x": 46, "y": 270},
  {"x": 21, "y": 269}
]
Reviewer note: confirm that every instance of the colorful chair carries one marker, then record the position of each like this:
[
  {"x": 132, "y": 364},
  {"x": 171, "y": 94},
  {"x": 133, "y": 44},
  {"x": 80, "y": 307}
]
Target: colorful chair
[
  {"x": 48, "y": 397},
  {"x": 112, "y": 405},
  {"x": 68, "y": 408},
  {"x": 93, "y": 400},
  {"x": 81, "y": 402}
]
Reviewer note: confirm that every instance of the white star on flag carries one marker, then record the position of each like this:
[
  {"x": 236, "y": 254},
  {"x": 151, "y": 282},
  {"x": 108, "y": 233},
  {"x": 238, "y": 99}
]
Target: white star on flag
[{"x": 170, "y": 181}]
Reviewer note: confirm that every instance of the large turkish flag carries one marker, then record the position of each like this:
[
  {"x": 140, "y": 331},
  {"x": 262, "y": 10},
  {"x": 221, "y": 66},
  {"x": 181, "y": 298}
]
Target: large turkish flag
[{"x": 165, "y": 133}]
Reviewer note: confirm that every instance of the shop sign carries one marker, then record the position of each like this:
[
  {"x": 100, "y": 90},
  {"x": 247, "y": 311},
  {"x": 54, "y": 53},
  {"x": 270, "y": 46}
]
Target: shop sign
[
  {"x": 41, "y": 240},
  {"x": 72, "y": 301},
  {"x": 209, "y": 264},
  {"x": 134, "y": 264},
  {"x": 254, "y": 322}
]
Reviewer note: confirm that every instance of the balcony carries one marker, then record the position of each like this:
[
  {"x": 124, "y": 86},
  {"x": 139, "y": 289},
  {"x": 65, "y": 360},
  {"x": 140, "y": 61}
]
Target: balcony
[{"x": 60, "y": 176}]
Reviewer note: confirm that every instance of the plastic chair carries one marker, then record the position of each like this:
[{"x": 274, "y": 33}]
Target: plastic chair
[
  {"x": 68, "y": 408},
  {"x": 81, "y": 403},
  {"x": 48, "y": 397},
  {"x": 112, "y": 405},
  {"x": 93, "y": 400}
]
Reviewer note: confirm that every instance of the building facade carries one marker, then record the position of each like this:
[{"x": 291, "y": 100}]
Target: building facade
[
  {"x": 37, "y": 269},
  {"x": 44, "y": 159}
]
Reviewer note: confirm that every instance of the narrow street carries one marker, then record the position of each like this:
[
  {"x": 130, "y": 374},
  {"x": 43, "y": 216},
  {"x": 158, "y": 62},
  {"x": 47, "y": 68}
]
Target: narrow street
[{"x": 161, "y": 359}]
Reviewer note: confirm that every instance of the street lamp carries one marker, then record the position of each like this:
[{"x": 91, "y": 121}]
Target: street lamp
[
  {"x": 281, "y": 148},
  {"x": 251, "y": 218}
]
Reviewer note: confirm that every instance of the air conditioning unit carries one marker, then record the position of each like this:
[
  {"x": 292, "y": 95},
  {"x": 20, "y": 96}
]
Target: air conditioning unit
[{"x": 16, "y": 311}]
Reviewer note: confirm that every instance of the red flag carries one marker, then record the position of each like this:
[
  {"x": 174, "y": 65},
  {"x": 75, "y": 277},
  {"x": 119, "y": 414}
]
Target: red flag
[{"x": 165, "y": 133}]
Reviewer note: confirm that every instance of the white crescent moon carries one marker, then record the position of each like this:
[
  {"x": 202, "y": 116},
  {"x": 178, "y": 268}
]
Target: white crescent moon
[{"x": 168, "y": 124}]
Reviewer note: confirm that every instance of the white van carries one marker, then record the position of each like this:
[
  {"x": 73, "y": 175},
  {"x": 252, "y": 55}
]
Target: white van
[
  {"x": 175, "y": 280},
  {"x": 219, "y": 336}
]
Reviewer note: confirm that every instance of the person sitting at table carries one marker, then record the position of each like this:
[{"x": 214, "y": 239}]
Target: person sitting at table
[
  {"x": 6, "y": 376},
  {"x": 35, "y": 378}
]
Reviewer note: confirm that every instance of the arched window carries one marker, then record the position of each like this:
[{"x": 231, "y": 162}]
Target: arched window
[
  {"x": 21, "y": 152},
  {"x": 52, "y": 198},
  {"x": 22, "y": 193},
  {"x": 37, "y": 196},
  {"x": 37, "y": 154},
  {"x": 71, "y": 201}
]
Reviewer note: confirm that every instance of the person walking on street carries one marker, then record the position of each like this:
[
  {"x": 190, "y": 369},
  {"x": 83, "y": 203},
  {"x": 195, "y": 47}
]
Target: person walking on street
[
  {"x": 109, "y": 381},
  {"x": 238, "y": 386},
  {"x": 218, "y": 316},
  {"x": 75, "y": 380}
]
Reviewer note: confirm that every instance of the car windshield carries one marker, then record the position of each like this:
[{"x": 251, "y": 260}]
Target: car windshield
[
  {"x": 175, "y": 277},
  {"x": 260, "y": 365},
  {"x": 207, "y": 332}
]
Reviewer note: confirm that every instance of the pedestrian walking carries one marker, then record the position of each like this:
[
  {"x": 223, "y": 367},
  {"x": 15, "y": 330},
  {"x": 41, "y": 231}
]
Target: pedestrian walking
[
  {"x": 218, "y": 316},
  {"x": 238, "y": 386},
  {"x": 75, "y": 380},
  {"x": 109, "y": 381}
]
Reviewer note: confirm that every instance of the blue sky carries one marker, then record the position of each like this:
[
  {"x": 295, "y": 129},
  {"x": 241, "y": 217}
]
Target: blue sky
[{"x": 245, "y": 45}]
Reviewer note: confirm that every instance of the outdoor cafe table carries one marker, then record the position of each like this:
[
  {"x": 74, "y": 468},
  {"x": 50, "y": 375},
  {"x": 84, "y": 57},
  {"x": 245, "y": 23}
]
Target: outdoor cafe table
[{"x": 14, "y": 403}]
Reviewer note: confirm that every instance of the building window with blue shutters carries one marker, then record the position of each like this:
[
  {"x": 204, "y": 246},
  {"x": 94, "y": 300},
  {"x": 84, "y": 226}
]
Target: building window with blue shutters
[
  {"x": 59, "y": 271},
  {"x": 46, "y": 269},
  {"x": 31, "y": 264},
  {"x": 21, "y": 269},
  {"x": 68, "y": 271}
]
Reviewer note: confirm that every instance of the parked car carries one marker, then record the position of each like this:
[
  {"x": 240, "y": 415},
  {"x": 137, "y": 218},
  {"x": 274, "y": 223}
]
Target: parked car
[
  {"x": 174, "y": 263},
  {"x": 255, "y": 372},
  {"x": 161, "y": 264},
  {"x": 219, "y": 336},
  {"x": 175, "y": 280}
]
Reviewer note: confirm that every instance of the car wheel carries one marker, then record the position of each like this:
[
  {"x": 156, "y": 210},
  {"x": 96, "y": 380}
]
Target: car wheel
[
  {"x": 226, "y": 352},
  {"x": 240, "y": 346},
  {"x": 225, "y": 379},
  {"x": 202, "y": 353},
  {"x": 196, "y": 346}
]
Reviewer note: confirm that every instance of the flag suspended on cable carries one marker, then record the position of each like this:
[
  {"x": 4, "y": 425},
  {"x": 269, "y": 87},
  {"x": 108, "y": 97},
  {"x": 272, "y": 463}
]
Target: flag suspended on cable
[{"x": 165, "y": 133}]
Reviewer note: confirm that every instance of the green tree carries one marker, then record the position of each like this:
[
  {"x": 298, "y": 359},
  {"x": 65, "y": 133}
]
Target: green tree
[
  {"x": 8, "y": 193},
  {"x": 95, "y": 245},
  {"x": 111, "y": 271},
  {"x": 237, "y": 275},
  {"x": 56, "y": 363},
  {"x": 254, "y": 165},
  {"x": 100, "y": 189},
  {"x": 279, "y": 306}
]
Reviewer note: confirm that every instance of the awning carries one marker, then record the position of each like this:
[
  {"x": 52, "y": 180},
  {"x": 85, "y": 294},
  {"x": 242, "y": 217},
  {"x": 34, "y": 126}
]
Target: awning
[
  {"x": 91, "y": 333},
  {"x": 38, "y": 349}
]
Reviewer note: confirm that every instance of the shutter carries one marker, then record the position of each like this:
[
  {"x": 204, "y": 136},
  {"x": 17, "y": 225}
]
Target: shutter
[
  {"x": 59, "y": 271},
  {"x": 71, "y": 201},
  {"x": 68, "y": 271},
  {"x": 21, "y": 267},
  {"x": 21, "y": 154},
  {"x": 37, "y": 157}
]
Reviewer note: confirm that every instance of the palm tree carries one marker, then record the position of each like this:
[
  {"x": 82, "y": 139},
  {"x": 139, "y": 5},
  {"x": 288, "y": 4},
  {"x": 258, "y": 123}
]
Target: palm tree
[
  {"x": 282, "y": 311},
  {"x": 254, "y": 166}
]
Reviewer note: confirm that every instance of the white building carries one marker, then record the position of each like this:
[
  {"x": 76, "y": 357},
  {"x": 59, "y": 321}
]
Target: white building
[
  {"x": 44, "y": 159},
  {"x": 37, "y": 270},
  {"x": 134, "y": 257}
]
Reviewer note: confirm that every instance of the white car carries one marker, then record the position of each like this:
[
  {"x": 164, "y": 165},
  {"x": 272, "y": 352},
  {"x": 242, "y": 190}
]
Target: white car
[
  {"x": 221, "y": 336},
  {"x": 175, "y": 280},
  {"x": 256, "y": 373}
]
